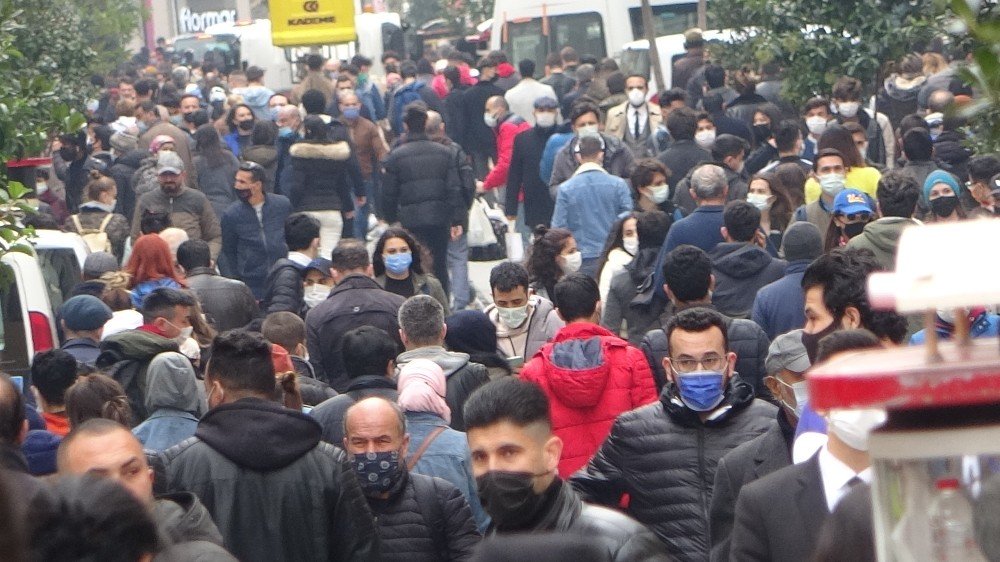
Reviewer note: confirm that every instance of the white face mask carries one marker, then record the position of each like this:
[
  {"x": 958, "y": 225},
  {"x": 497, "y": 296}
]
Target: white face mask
[
  {"x": 817, "y": 125},
  {"x": 490, "y": 120},
  {"x": 705, "y": 139},
  {"x": 631, "y": 244},
  {"x": 636, "y": 97},
  {"x": 801, "y": 393},
  {"x": 571, "y": 262},
  {"x": 545, "y": 119},
  {"x": 854, "y": 426},
  {"x": 185, "y": 334},
  {"x": 591, "y": 130},
  {"x": 41, "y": 187},
  {"x": 831, "y": 184},
  {"x": 848, "y": 109},
  {"x": 513, "y": 317},
  {"x": 758, "y": 200},
  {"x": 863, "y": 149},
  {"x": 316, "y": 294},
  {"x": 659, "y": 193}
]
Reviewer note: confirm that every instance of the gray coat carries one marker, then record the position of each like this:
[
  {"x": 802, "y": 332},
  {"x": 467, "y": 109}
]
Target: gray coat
[{"x": 618, "y": 161}]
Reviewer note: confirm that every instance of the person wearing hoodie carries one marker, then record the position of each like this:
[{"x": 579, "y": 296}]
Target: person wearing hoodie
[
  {"x": 263, "y": 151},
  {"x": 779, "y": 306},
  {"x": 278, "y": 493},
  {"x": 504, "y": 125},
  {"x": 897, "y": 196},
  {"x": 740, "y": 265},
  {"x": 617, "y": 158},
  {"x": 664, "y": 454},
  {"x": 256, "y": 94},
  {"x": 589, "y": 375},
  {"x": 507, "y": 76},
  {"x": 184, "y": 526},
  {"x": 630, "y": 295},
  {"x": 128, "y": 157},
  {"x": 422, "y": 327},
  {"x": 524, "y": 321},
  {"x": 898, "y": 97},
  {"x": 173, "y": 400}
]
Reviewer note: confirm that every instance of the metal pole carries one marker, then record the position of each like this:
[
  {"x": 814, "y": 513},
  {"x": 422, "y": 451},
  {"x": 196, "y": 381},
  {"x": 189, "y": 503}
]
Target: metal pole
[
  {"x": 654, "y": 53},
  {"x": 702, "y": 14}
]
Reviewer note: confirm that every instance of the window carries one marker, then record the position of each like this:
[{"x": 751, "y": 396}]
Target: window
[
  {"x": 525, "y": 41},
  {"x": 14, "y": 346},
  {"x": 670, "y": 19},
  {"x": 584, "y": 32}
]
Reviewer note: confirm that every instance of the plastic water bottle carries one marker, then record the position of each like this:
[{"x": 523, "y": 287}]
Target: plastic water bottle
[{"x": 951, "y": 525}]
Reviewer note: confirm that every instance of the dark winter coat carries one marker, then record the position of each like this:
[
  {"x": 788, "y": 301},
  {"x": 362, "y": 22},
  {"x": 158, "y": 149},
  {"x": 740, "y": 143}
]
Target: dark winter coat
[
  {"x": 228, "y": 303},
  {"x": 122, "y": 171},
  {"x": 330, "y": 412},
  {"x": 125, "y": 357},
  {"x": 779, "y": 306},
  {"x": 629, "y": 299},
  {"x": 276, "y": 492},
  {"x": 524, "y": 182},
  {"x": 618, "y": 161},
  {"x": 740, "y": 270},
  {"x": 479, "y": 138},
  {"x": 680, "y": 157},
  {"x": 319, "y": 176},
  {"x": 283, "y": 289},
  {"x": 251, "y": 245},
  {"x": 664, "y": 457},
  {"x": 421, "y": 187}
]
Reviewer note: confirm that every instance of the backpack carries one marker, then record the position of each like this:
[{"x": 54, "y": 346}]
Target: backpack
[{"x": 97, "y": 240}]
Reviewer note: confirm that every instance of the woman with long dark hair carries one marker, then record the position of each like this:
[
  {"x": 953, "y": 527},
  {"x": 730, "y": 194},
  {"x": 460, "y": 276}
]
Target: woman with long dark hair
[
  {"x": 402, "y": 266},
  {"x": 215, "y": 167},
  {"x": 552, "y": 255},
  {"x": 619, "y": 250},
  {"x": 239, "y": 123},
  {"x": 768, "y": 196}
]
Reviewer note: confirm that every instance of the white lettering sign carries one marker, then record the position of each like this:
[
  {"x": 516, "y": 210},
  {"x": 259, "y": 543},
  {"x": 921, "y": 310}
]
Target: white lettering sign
[{"x": 195, "y": 22}]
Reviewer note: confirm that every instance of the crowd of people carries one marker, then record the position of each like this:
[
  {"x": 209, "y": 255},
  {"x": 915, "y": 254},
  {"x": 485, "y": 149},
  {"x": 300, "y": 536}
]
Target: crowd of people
[{"x": 275, "y": 352}]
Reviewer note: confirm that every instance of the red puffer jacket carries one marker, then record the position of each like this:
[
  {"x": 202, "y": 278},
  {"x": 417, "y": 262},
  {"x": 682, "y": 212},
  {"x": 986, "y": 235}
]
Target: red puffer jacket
[{"x": 590, "y": 377}]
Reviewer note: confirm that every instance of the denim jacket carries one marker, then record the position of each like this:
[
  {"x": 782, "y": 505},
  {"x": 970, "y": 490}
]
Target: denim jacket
[{"x": 447, "y": 457}]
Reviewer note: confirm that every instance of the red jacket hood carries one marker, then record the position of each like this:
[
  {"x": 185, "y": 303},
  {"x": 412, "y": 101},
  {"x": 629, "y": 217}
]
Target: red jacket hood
[
  {"x": 576, "y": 362},
  {"x": 505, "y": 69}
]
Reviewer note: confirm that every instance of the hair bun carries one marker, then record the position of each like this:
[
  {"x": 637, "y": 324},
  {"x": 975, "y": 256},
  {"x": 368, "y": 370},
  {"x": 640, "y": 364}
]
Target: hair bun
[{"x": 540, "y": 230}]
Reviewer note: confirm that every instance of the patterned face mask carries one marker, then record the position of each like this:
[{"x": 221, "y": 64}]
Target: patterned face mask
[{"x": 378, "y": 472}]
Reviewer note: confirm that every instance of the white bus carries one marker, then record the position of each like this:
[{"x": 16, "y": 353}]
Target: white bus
[{"x": 534, "y": 28}]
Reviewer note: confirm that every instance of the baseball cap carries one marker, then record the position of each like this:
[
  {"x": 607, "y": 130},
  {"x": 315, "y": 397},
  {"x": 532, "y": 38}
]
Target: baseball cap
[
  {"x": 850, "y": 201},
  {"x": 169, "y": 162},
  {"x": 787, "y": 352},
  {"x": 546, "y": 102},
  {"x": 321, "y": 265},
  {"x": 99, "y": 263}
]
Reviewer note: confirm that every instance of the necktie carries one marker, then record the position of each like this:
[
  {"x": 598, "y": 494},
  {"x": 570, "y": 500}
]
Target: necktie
[
  {"x": 637, "y": 131},
  {"x": 854, "y": 482}
]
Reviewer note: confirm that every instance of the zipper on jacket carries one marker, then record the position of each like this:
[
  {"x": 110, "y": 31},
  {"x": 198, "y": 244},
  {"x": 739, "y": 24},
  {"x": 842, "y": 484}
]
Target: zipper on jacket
[{"x": 701, "y": 474}]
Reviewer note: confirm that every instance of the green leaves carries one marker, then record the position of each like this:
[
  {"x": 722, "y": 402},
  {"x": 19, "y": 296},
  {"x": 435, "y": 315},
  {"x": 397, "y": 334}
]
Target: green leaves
[{"x": 983, "y": 74}]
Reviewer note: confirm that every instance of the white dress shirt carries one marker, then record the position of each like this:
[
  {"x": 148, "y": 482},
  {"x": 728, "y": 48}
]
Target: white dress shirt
[
  {"x": 837, "y": 476},
  {"x": 630, "y": 114}
]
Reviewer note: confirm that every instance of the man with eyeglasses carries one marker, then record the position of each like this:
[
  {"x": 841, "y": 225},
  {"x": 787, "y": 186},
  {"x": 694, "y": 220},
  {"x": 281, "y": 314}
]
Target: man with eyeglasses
[
  {"x": 253, "y": 229},
  {"x": 664, "y": 455}
]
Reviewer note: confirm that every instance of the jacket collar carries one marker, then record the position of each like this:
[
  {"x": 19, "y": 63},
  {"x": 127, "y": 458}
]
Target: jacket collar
[
  {"x": 201, "y": 271},
  {"x": 355, "y": 281},
  {"x": 797, "y": 266},
  {"x": 589, "y": 167},
  {"x": 369, "y": 382}
]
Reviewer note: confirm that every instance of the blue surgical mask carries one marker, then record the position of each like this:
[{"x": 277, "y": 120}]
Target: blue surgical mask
[
  {"x": 285, "y": 132},
  {"x": 377, "y": 472},
  {"x": 352, "y": 113},
  {"x": 398, "y": 264},
  {"x": 701, "y": 391}
]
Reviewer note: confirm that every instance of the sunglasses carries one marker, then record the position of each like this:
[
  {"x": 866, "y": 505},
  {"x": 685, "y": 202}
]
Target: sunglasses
[
  {"x": 250, "y": 166},
  {"x": 855, "y": 216}
]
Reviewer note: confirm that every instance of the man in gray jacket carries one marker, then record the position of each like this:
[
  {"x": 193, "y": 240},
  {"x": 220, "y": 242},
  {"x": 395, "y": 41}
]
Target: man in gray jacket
[
  {"x": 188, "y": 208},
  {"x": 524, "y": 322}
]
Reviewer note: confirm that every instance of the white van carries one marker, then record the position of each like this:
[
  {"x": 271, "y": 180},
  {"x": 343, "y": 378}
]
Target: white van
[
  {"x": 534, "y": 28},
  {"x": 26, "y": 319},
  {"x": 635, "y": 55}
]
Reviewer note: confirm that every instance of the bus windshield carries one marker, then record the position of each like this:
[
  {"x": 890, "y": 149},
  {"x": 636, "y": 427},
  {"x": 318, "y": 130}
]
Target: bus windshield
[
  {"x": 222, "y": 47},
  {"x": 525, "y": 38},
  {"x": 669, "y": 19}
]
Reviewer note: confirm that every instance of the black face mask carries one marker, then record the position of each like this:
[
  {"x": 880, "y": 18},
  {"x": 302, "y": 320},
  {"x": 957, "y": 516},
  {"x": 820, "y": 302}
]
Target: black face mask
[
  {"x": 811, "y": 341},
  {"x": 509, "y": 498},
  {"x": 246, "y": 125},
  {"x": 944, "y": 206},
  {"x": 853, "y": 229},
  {"x": 762, "y": 133},
  {"x": 189, "y": 117},
  {"x": 243, "y": 194}
]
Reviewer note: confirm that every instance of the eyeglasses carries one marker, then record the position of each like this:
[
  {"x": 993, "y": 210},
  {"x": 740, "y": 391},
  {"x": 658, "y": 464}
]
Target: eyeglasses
[{"x": 711, "y": 362}]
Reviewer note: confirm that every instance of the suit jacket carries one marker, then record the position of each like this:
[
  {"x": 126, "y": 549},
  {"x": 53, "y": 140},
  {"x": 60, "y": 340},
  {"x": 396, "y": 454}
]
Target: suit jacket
[
  {"x": 616, "y": 122},
  {"x": 747, "y": 463},
  {"x": 779, "y": 517}
]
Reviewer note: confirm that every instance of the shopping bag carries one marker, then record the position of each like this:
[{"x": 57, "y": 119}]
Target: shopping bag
[
  {"x": 515, "y": 245},
  {"x": 480, "y": 228}
]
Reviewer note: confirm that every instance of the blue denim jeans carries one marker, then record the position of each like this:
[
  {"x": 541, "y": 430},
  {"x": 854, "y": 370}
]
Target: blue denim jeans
[
  {"x": 458, "y": 271},
  {"x": 361, "y": 213}
]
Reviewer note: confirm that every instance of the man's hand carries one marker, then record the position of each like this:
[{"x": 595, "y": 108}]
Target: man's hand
[
  {"x": 479, "y": 186},
  {"x": 360, "y": 201},
  {"x": 511, "y": 219},
  {"x": 348, "y": 214},
  {"x": 456, "y": 232}
]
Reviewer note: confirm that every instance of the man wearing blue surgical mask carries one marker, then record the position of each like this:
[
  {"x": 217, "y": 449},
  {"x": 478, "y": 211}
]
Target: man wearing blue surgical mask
[
  {"x": 664, "y": 455},
  {"x": 370, "y": 148}
]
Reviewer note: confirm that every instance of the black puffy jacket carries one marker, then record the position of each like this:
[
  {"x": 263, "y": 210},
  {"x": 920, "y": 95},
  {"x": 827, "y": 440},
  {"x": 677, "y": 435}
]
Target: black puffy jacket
[
  {"x": 283, "y": 289},
  {"x": 421, "y": 187},
  {"x": 746, "y": 339},
  {"x": 276, "y": 492},
  {"x": 320, "y": 181},
  {"x": 425, "y": 519},
  {"x": 664, "y": 457}
]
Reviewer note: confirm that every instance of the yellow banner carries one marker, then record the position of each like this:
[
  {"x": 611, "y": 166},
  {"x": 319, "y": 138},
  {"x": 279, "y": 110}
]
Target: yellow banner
[{"x": 298, "y": 23}]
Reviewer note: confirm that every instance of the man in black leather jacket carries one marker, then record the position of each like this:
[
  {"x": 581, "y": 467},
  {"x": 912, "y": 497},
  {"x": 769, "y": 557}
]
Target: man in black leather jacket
[
  {"x": 275, "y": 490},
  {"x": 515, "y": 458},
  {"x": 284, "y": 289}
]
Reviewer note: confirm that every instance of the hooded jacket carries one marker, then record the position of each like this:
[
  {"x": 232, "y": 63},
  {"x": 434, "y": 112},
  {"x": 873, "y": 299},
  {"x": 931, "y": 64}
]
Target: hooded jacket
[
  {"x": 618, "y": 161},
  {"x": 267, "y": 156},
  {"x": 319, "y": 176},
  {"x": 590, "y": 377},
  {"x": 174, "y": 400},
  {"x": 505, "y": 132},
  {"x": 181, "y": 518},
  {"x": 463, "y": 376},
  {"x": 741, "y": 269},
  {"x": 882, "y": 238},
  {"x": 898, "y": 97},
  {"x": 664, "y": 456},
  {"x": 422, "y": 187},
  {"x": 283, "y": 289},
  {"x": 525, "y": 340},
  {"x": 779, "y": 306},
  {"x": 126, "y": 357},
  {"x": 275, "y": 491}
]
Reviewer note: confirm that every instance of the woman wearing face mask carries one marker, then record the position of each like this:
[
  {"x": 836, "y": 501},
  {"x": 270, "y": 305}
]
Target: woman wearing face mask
[
  {"x": 239, "y": 122},
  {"x": 941, "y": 193},
  {"x": 216, "y": 169},
  {"x": 652, "y": 193},
  {"x": 768, "y": 195},
  {"x": 619, "y": 250},
  {"x": 765, "y": 118},
  {"x": 150, "y": 267},
  {"x": 318, "y": 282},
  {"x": 97, "y": 214},
  {"x": 704, "y": 135},
  {"x": 852, "y": 210},
  {"x": 402, "y": 267},
  {"x": 552, "y": 255},
  {"x": 858, "y": 174}
]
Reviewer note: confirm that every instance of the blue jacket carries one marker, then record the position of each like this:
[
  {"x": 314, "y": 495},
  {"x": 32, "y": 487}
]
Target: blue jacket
[
  {"x": 283, "y": 169},
  {"x": 251, "y": 246},
  {"x": 702, "y": 228},
  {"x": 231, "y": 140},
  {"x": 552, "y": 147},
  {"x": 140, "y": 291},
  {"x": 447, "y": 457},
  {"x": 986, "y": 326},
  {"x": 779, "y": 307},
  {"x": 371, "y": 98},
  {"x": 588, "y": 204},
  {"x": 165, "y": 428}
]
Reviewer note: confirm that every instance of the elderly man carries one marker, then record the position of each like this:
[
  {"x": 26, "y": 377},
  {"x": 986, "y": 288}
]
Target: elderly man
[
  {"x": 418, "y": 516},
  {"x": 188, "y": 208}
]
